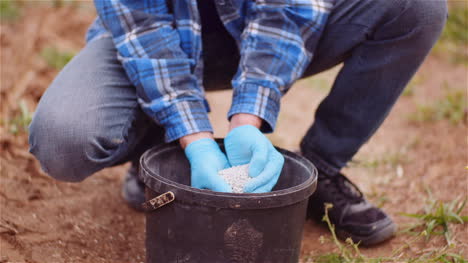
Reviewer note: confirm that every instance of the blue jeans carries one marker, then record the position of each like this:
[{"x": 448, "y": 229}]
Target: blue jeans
[{"x": 89, "y": 118}]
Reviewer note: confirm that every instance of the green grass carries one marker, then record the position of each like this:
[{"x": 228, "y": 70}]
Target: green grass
[
  {"x": 348, "y": 252},
  {"x": 454, "y": 40},
  {"x": 21, "y": 120},
  {"x": 55, "y": 58},
  {"x": 456, "y": 28},
  {"x": 9, "y": 11},
  {"x": 329, "y": 258},
  {"x": 378, "y": 199},
  {"x": 409, "y": 90},
  {"x": 423, "y": 113},
  {"x": 437, "y": 218},
  {"x": 441, "y": 257},
  {"x": 452, "y": 107},
  {"x": 450, "y": 257},
  {"x": 443, "y": 214},
  {"x": 389, "y": 160},
  {"x": 64, "y": 3}
]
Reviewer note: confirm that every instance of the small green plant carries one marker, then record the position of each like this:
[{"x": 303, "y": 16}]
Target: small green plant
[
  {"x": 9, "y": 11},
  {"x": 409, "y": 90},
  {"x": 452, "y": 107},
  {"x": 350, "y": 253},
  {"x": 64, "y": 3},
  {"x": 389, "y": 160},
  {"x": 437, "y": 218},
  {"x": 328, "y": 258},
  {"x": 56, "y": 58},
  {"x": 423, "y": 113},
  {"x": 378, "y": 199},
  {"x": 457, "y": 23},
  {"x": 440, "y": 255},
  {"x": 454, "y": 39},
  {"x": 21, "y": 121},
  {"x": 445, "y": 257}
]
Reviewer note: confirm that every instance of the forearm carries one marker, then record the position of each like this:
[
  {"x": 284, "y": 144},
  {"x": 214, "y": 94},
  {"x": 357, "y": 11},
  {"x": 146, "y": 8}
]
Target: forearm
[
  {"x": 282, "y": 35},
  {"x": 186, "y": 140},
  {"x": 241, "y": 119},
  {"x": 157, "y": 64},
  {"x": 236, "y": 121}
]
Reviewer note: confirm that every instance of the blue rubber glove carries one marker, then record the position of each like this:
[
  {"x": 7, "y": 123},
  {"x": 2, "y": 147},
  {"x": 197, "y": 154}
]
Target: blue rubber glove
[
  {"x": 206, "y": 159},
  {"x": 246, "y": 144}
]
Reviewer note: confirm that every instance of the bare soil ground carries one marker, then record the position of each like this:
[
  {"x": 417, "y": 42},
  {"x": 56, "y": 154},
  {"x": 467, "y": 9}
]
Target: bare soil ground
[{"x": 43, "y": 220}]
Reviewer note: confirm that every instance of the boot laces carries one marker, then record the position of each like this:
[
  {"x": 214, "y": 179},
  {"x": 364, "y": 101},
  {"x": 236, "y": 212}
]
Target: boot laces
[{"x": 342, "y": 189}]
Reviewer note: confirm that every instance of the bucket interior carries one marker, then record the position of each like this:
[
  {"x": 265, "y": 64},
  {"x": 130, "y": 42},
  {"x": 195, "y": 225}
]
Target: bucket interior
[{"x": 172, "y": 164}]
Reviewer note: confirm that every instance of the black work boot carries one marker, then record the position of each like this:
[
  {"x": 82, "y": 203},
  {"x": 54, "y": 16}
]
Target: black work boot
[
  {"x": 351, "y": 214},
  {"x": 133, "y": 190}
]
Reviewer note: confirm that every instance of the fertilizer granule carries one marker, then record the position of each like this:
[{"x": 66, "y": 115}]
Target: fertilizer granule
[{"x": 237, "y": 177}]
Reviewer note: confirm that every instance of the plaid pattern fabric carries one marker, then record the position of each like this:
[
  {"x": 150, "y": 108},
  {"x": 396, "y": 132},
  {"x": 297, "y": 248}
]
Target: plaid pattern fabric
[{"x": 160, "y": 48}]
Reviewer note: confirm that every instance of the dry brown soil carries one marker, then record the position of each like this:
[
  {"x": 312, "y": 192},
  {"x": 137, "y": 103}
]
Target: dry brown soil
[{"x": 43, "y": 220}]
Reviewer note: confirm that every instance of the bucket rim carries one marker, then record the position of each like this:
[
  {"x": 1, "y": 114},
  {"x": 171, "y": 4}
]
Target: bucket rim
[{"x": 211, "y": 198}]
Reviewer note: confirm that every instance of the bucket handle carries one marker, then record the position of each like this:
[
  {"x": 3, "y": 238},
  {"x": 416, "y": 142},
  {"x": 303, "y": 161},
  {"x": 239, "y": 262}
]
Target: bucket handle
[{"x": 158, "y": 201}]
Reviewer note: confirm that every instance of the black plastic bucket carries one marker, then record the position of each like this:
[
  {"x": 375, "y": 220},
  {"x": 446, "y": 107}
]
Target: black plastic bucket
[{"x": 205, "y": 226}]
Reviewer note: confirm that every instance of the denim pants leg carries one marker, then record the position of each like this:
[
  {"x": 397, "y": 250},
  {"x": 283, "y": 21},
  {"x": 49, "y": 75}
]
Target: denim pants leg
[
  {"x": 382, "y": 43},
  {"x": 89, "y": 118}
]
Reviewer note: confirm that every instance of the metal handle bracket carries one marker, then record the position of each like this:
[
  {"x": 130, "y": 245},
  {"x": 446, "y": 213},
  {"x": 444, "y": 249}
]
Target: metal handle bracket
[{"x": 158, "y": 201}]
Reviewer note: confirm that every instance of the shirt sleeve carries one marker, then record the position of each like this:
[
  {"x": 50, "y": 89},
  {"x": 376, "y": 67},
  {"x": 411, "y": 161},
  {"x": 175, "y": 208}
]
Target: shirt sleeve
[
  {"x": 276, "y": 46},
  {"x": 158, "y": 62}
]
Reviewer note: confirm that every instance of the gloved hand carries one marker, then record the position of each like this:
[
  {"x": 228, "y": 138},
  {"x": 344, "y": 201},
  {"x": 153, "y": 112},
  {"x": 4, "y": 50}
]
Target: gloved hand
[
  {"x": 246, "y": 144},
  {"x": 206, "y": 159}
]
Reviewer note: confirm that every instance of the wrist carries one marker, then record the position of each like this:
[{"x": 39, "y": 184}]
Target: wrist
[
  {"x": 242, "y": 119},
  {"x": 188, "y": 139}
]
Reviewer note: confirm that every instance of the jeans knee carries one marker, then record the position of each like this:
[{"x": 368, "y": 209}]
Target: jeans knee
[
  {"x": 419, "y": 22},
  {"x": 50, "y": 142},
  {"x": 66, "y": 150},
  {"x": 427, "y": 15}
]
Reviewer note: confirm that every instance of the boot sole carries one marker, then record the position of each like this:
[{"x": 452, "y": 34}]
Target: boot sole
[{"x": 380, "y": 236}]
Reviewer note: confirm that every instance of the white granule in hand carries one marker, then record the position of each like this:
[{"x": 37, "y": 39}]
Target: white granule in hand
[{"x": 237, "y": 177}]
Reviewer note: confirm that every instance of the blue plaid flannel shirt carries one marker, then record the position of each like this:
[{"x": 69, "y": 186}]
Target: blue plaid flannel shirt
[{"x": 161, "y": 52}]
